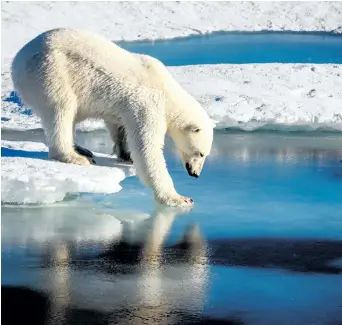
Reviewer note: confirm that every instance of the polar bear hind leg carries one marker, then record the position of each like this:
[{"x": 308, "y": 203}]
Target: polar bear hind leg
[
  {"x": 46, "y": 88},
  {"x": 119, "y": 136},
  {"x": 59, "y": 137}
]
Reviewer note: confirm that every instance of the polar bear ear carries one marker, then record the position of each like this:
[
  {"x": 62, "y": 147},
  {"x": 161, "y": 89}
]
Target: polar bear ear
[{"x": 192, "y": 128}]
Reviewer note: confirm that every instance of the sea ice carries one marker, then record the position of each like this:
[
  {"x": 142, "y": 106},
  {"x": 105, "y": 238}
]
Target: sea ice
[{"x": 32, "y": 180}]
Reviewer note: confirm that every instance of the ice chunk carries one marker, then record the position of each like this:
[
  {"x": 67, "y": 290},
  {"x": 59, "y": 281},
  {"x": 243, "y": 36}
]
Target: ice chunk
[{"x": 26, "y": 179}]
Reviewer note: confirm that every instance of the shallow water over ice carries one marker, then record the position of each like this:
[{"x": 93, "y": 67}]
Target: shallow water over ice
[
  {"x": 244, "y": 47},
  {"x": 262, "y": 245}
]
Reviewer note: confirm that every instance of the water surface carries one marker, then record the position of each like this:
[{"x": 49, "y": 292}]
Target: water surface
[
  {"x": 262, "y": 245},
  {"x": 244, "y": 47}
]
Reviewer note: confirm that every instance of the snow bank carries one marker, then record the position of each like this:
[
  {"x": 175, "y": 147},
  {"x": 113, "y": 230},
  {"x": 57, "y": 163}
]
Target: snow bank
[
  {"x": 247, "y": 96},
  {"x": 250, "y": 96},
  {"x": 26, "y": 179},
  {"x": 160, "y": 20}
]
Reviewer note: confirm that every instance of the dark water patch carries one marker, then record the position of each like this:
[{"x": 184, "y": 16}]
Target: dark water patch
[
  {"x": 296, "y": 255},
  {"x": 21, "y": 305},
  {"x": 244, "y": 47}
]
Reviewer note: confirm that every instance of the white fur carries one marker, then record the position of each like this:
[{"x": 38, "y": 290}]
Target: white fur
[{"x": 67, "y": 76}]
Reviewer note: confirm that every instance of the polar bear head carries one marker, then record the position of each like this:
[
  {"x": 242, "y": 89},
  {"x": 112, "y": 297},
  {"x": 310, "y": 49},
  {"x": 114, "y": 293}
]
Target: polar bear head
[{"x": 193, "y": 142}]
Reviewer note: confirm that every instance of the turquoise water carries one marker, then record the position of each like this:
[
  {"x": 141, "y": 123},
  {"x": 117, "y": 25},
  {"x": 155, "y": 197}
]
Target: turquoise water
[
  {"x": 269, "y": 249},
  {"x": 244, "y": 47}
]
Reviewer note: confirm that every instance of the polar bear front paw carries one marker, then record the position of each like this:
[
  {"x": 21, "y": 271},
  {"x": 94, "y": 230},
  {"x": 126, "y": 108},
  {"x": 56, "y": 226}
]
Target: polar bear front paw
[{"x": 176, "y": 201}]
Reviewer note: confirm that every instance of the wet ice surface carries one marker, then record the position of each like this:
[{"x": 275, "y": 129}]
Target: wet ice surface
[{"x": 262, "y": 245}]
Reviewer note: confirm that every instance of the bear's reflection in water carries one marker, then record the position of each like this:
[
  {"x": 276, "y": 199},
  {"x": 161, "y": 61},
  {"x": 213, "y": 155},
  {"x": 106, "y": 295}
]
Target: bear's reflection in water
[{"x": 136, "y": 280}]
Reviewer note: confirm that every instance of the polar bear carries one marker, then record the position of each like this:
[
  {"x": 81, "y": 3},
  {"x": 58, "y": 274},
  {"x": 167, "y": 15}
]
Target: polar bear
[{"x": 68, "y": 75}]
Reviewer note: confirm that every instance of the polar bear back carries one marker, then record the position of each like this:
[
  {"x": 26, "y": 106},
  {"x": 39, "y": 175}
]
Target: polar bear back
[
  {"x": 87, "y": 56},
  {"x": 79, "y": 44}
]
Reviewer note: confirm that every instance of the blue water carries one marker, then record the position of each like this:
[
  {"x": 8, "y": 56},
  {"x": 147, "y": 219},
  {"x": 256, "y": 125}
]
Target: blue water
[
  {"x": 244, "y": 47},
  {"x": 254, "y": 197},
  {"x": 267, "y": 207}
]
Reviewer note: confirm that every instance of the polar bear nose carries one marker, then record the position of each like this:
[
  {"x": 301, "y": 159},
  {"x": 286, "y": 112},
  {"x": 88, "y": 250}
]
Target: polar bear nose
[{"x": 190, "y": 172}]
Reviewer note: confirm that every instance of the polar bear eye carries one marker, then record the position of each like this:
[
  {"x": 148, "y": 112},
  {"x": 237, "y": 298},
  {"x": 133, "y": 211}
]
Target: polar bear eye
[
  {"x": 201, "y": 154},
  {"x": 192, "y": 128}
]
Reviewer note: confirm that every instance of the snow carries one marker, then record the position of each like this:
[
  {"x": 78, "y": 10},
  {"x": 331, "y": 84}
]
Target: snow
[
  {"x": 250, "y": 96},
  {"x": 26, "y": 179},
  {"x": 247, "y": 96}
]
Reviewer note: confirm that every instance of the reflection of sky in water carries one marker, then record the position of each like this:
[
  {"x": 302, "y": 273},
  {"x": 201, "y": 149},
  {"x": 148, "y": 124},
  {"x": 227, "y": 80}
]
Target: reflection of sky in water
[{"x": 265, "y": 186}]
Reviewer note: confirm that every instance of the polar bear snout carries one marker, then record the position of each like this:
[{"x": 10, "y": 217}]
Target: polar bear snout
[
  {"x": 189, "y": 170},
  {"x": 193, "y": 164},
  {"x": 194, "y": 169}
]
